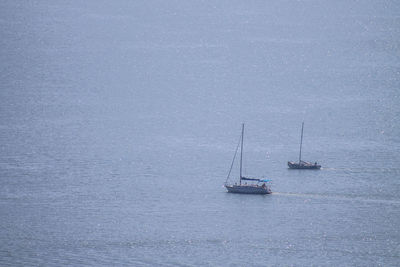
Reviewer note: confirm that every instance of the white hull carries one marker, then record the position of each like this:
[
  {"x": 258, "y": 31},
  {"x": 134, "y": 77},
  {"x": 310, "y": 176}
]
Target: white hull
[{"x": 248, "y": 189}]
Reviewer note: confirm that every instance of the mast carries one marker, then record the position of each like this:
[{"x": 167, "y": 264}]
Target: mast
[
  {"x": 301, "y": 141},
  {"x": 241, "y": 154}
]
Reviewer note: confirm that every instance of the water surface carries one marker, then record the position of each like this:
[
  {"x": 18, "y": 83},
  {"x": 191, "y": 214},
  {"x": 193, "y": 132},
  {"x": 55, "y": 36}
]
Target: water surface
[{"x": 119, "y": 120}]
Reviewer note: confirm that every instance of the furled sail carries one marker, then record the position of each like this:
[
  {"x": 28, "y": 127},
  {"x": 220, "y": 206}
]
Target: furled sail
[{"x": 255, "y": 179}]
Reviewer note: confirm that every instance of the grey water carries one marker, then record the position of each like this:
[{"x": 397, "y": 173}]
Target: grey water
[{"x": 119, "y": 121}]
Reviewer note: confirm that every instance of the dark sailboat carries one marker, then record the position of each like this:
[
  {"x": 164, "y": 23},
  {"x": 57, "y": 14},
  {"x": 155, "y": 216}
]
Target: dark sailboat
[
  {"x": 252, "y": 188},
  {"x": 303, "y": 164}
]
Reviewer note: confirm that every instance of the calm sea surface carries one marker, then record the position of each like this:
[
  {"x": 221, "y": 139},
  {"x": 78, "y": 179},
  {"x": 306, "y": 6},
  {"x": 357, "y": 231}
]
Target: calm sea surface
[{"x": 119, "y": 121}]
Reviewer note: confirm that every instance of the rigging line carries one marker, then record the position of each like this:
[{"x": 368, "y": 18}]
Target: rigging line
[{"x": 233, "y": 161}]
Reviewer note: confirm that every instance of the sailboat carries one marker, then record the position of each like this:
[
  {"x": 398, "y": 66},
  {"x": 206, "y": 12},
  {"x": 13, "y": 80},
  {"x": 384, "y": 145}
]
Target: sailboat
[
  {"x": 303, "y": 164},
  {"x": 260, "y": 187}
]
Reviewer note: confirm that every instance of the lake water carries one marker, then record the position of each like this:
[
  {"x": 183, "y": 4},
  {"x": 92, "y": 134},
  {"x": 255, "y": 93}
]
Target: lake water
[{"x": 119, "y": 121}]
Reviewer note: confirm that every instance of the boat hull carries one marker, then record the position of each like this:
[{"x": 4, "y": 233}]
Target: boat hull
[
  {"x": 306, "y": 166},
  {"x": 248, "y": 189}
]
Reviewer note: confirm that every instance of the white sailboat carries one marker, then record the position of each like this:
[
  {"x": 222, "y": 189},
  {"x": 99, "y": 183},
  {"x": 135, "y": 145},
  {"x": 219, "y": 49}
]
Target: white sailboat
[{"x": 259, "y": 187}]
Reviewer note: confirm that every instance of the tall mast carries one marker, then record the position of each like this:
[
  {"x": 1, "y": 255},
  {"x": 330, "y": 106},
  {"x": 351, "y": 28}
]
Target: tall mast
[
  {"x": 301, "y": 140},
  {"x": 241, "y": 154}
]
